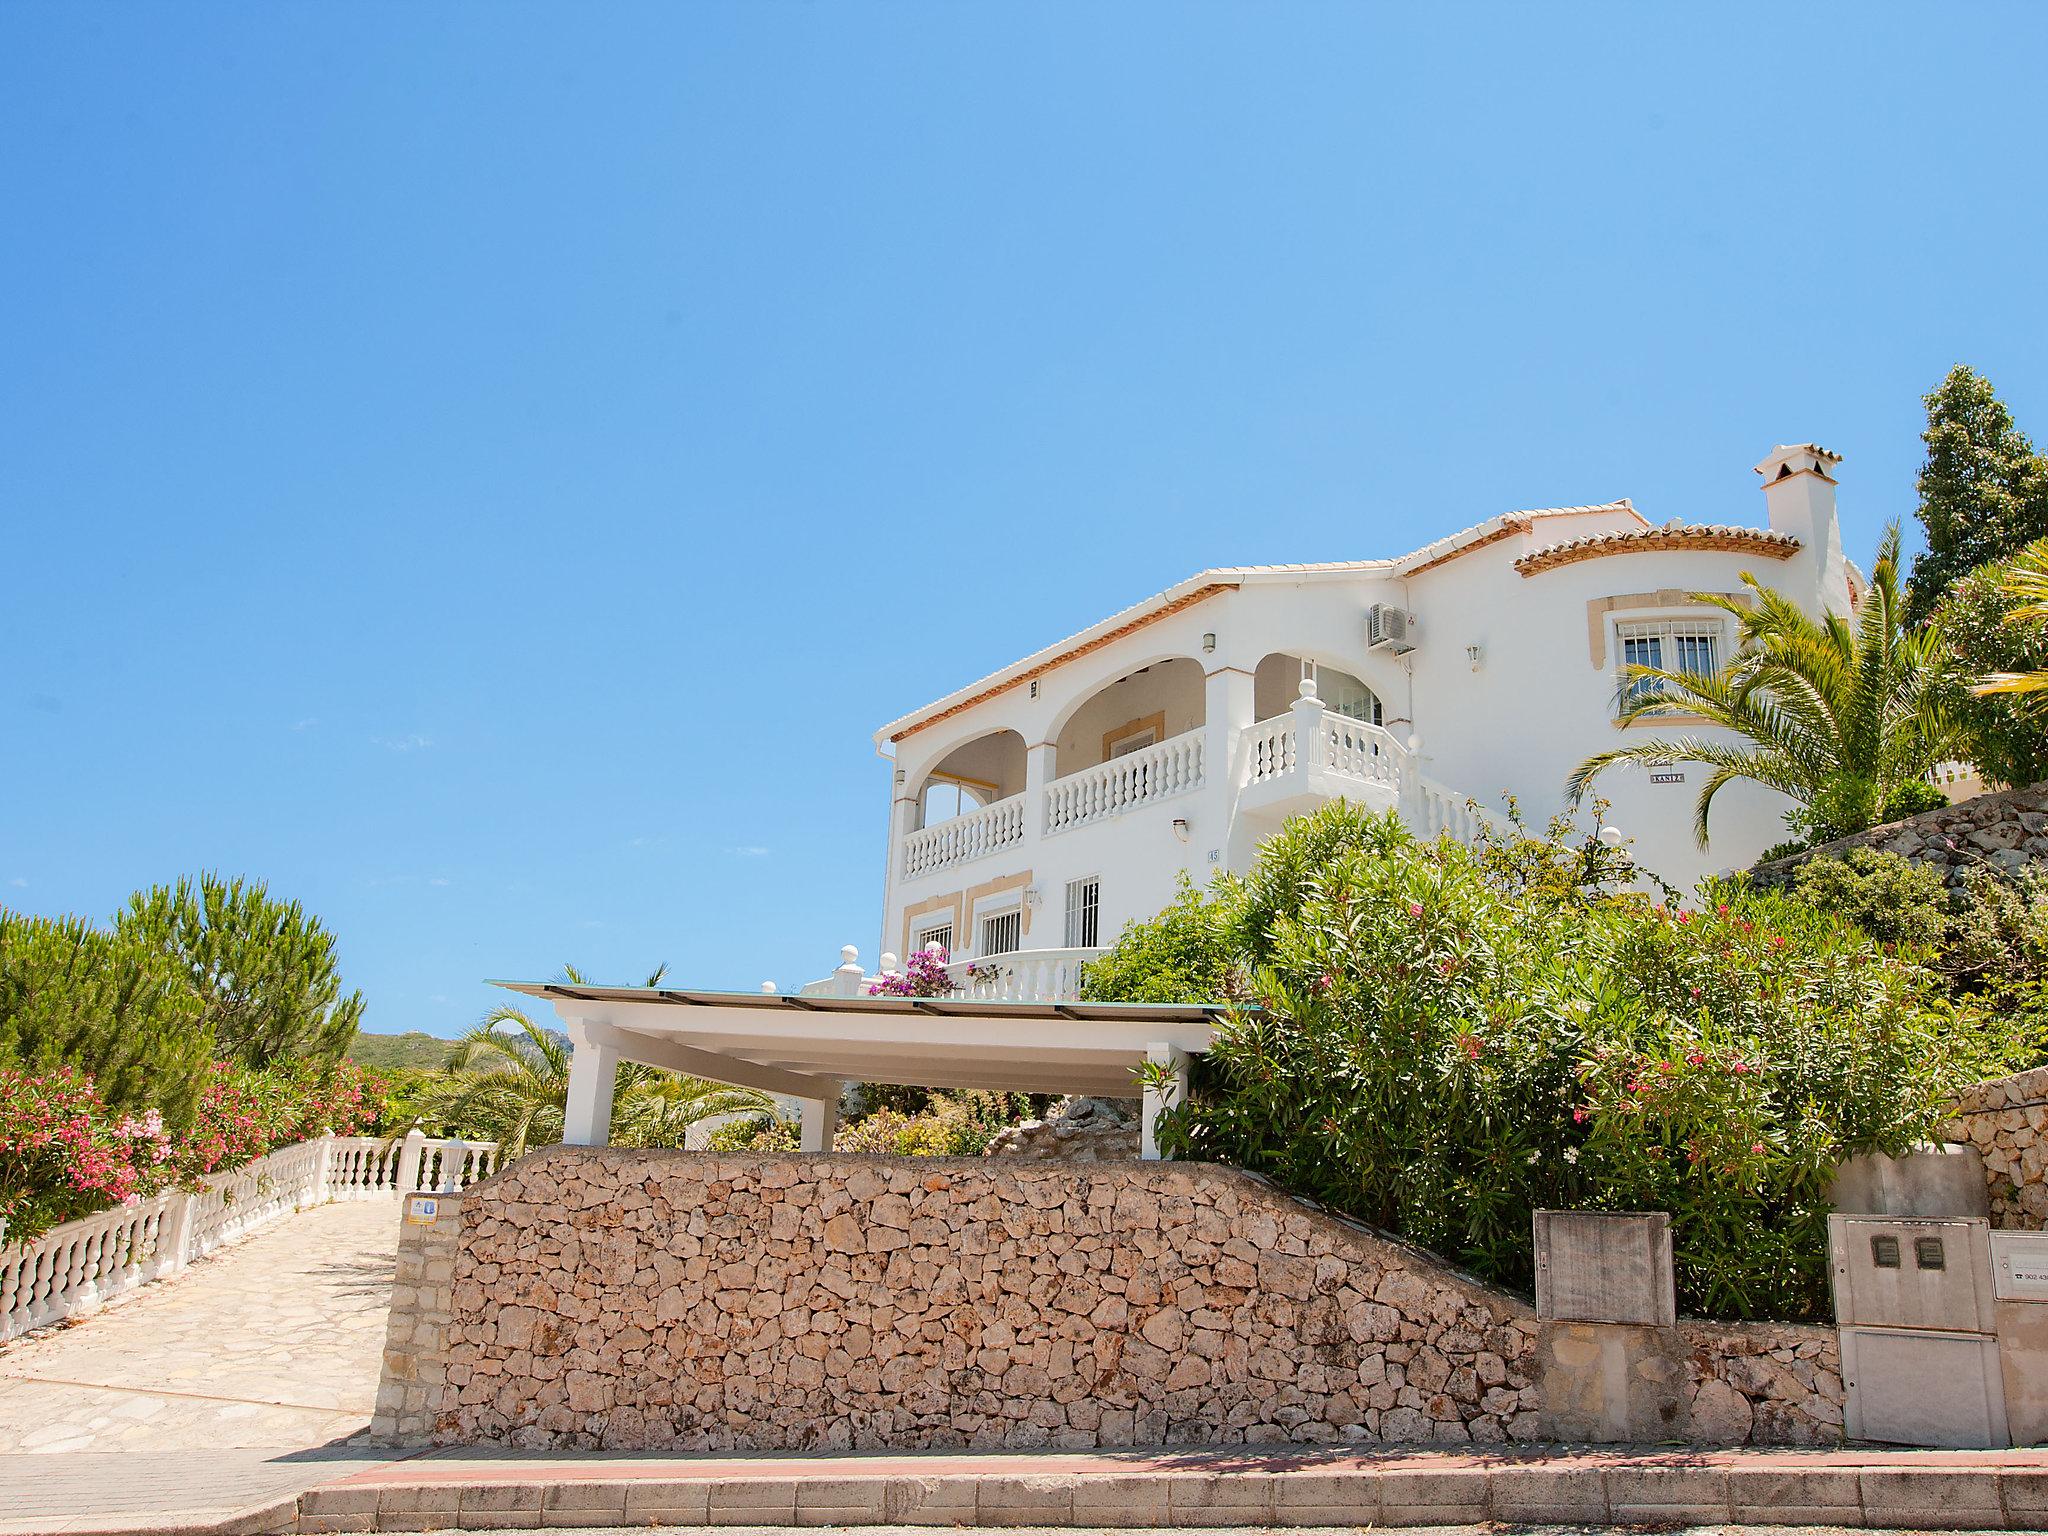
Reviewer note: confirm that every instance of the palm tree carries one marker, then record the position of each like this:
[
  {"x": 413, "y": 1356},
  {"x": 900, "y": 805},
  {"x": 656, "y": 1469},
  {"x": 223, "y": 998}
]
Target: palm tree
[
  {"x": 508, "y": 1079},
  {"x": 1840, "y": 712},
  {"x": 2028, "y": 582}
]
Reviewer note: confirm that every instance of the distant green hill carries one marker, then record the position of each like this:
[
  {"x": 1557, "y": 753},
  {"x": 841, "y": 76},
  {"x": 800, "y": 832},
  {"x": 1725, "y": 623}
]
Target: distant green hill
[{"x": 411, "y": 1049}]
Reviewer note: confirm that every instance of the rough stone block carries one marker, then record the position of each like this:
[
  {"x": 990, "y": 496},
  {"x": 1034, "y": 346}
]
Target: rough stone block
[
  {"x": 1930, "y": 1499},
  {"x": 1795, "y": 1496},
  {"x": 1694, "y": 1495},
  {"x": 1410, "y": 1496},
  {"x": 1553, "y": 1493}
]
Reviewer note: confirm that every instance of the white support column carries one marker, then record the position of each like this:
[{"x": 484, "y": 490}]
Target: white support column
[
  {"x": 820, "y": 1123},
  {"x": 1159, "y": 1098},
  {"x": 1039, "y": 762},
  {"x": 323, "y": 1170},
  {"x": 1226, "y": 713},
  {"x": 587, "y": 1117}
]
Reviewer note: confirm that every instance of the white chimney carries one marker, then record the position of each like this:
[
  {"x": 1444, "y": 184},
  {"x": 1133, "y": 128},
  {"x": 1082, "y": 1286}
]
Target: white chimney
[{"x": 1799, "y": 489}]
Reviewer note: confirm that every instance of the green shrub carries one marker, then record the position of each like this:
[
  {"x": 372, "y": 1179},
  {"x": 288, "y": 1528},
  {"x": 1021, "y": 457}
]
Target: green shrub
[
  {"x": 71, "y": 995},
  {"x": 1892, "y": 899},
  {"x": 1181, "y": 956},
  {"x": 1442, "y": 1051}
]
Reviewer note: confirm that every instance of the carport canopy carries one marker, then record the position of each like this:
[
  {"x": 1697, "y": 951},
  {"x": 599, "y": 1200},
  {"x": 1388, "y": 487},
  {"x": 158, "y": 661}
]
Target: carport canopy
[{"x": 806, "y": 1047}]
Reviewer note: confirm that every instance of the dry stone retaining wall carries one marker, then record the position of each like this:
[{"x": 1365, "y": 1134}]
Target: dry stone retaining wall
[
  {"x": 2008, "y": 831},
  {"x": 2007, "y": 1122},
  {"x": 625, "y": 1299}
]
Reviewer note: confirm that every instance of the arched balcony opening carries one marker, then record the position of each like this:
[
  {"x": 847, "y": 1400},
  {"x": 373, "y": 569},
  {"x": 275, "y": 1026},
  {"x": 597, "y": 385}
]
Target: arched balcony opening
[
  {"x": 970, "y": 803},
  {"x": 1129, "y": 743},
  {"x": 972, "y": 777},
  {"x": 1139, "y": 710},
  {"x": 1277, "y": 683}
]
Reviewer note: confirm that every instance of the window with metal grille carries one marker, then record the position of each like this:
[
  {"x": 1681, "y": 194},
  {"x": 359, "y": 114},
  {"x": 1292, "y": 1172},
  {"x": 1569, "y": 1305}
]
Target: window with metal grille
[
  {"x": 1669, "y": 645},
  {"x": 940, "y": 934},
  {"x": 1084, "y": 900},
  {"x": 1002, "y": 933}
]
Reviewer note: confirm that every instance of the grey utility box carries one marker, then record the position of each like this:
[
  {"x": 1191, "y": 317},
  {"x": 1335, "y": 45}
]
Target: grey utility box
[
  {"x": 1915, "y": 1308},
  {"x": 1899, "y": 1272},
  {"x": 1916, "y": 1386},
  {"x": 2019, "y": 1280},
  {"x": 1605, "y": 1267}
]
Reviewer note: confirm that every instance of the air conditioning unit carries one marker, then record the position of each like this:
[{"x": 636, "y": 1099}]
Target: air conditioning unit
[{"x": 1389, "y": 628}]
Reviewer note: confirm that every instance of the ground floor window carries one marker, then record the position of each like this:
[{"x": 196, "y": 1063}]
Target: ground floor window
[
  {"x": 1084, "y": 903},
  {"x": 1002, "y": 933}
]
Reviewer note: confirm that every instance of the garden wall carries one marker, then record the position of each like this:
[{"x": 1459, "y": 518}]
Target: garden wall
[
  {"x": 2006, "y": 830},
  {"x": 628, "y": 1299},
  {"x": 2006, "y": 1120}
]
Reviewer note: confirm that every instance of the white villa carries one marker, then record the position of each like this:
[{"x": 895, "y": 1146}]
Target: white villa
[
  {"x": 1034, "y": 812},
  {"x": 1038, "y": 810}
]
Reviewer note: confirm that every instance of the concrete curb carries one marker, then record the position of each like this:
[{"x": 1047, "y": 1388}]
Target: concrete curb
[{"x": 1903, "y": 1490}]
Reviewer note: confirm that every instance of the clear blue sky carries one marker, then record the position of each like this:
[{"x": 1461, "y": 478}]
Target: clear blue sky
[{"x": 487, "y": 469}]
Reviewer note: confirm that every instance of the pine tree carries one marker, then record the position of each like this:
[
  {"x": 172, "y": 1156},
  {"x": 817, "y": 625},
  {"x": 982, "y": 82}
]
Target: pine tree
[
  {"x": 1983, "y": 489},
  {"x": 263, "y": 969},
  {"x": 72, "y": 995}
]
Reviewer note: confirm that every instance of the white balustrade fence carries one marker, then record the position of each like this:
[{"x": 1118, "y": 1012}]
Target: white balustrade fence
[
  {"x": 1269, "y": 750},
  {"x": 1358, "y": 750},
  {"x": 82, "y": 1264},
  {"x": 1023, "y": 976},
  {"x": 1153, "y": 773},
  {"x": 961, "y": 838},
  {"x": 1433, "y": 809}
]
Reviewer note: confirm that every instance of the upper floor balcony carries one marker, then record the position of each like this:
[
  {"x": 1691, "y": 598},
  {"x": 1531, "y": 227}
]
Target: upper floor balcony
[{"x": 1151, "y": 739}]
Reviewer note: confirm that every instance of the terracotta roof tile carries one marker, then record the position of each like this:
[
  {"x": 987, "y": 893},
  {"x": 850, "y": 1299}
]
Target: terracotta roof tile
[{"x": 1635, "y": 541}]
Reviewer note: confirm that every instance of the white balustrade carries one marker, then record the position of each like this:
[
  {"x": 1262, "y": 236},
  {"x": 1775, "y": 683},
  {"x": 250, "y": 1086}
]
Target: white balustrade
[
  {"x": 961, "y": 838},
  {"x": 1434, "y": 810},
  {"x": 1023, "y": 976},
  {"x": 82, "y": 1264},
  {"x": 1348, "y": 748},
  {"x": 1150, "y": 774},
  {"x": 1269, "y": 750},
  {"x": 1355, "y": 749}
]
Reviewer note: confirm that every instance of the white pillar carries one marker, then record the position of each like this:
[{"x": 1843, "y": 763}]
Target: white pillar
[
  {"x": 411, "y": 1152},
  {"x": 851, "y": 978},
  {"x": 1161, "y": 1096},
  {"x": 1308, "y": 727},
  {"x": 593, "y": 1068},
  {"x": 820, "y": 1123},
  {"x": 323, "y": 1169},
  {"x": 1040, "y": 761}
]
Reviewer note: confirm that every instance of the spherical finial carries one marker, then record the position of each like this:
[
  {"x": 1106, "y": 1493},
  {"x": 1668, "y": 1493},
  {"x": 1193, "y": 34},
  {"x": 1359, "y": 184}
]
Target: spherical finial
[
  {"x": 768, "y": 988},
  {"x": 1611, "y": 836},
  {"x": 849, "y": 954},
  {"x": 1414, "y": 742},
  {"x": 1308, "y": 687},
  {"x": 888, "y": 964}
]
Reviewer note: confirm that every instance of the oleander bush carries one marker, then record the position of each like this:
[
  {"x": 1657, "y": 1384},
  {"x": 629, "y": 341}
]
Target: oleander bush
[{"x": 1446, "y": 1039}]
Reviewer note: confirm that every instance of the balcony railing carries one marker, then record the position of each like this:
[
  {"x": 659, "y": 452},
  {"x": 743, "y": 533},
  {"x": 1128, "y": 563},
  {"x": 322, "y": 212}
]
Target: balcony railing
[
  {"x": 988, "y": 830},
  {"x": 1023, "y": 976},
  {"x": 1347, "y": 748},
  {"x": 1171, "y": 767}
]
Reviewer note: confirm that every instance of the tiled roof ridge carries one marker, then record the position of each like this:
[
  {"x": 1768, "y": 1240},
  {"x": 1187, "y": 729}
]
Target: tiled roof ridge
[{"x": 1699, "y": 536}]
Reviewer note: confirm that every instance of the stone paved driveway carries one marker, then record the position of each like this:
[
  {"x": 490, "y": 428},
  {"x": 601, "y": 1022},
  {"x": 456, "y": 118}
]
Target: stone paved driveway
[{"x": 231, "y": 1384}]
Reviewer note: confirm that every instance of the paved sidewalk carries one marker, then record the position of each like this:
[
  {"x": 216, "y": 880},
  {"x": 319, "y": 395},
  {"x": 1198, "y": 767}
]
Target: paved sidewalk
[
  {"x": 1171, "y": 1490},
  {"x": 211, "y": 1391}
]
